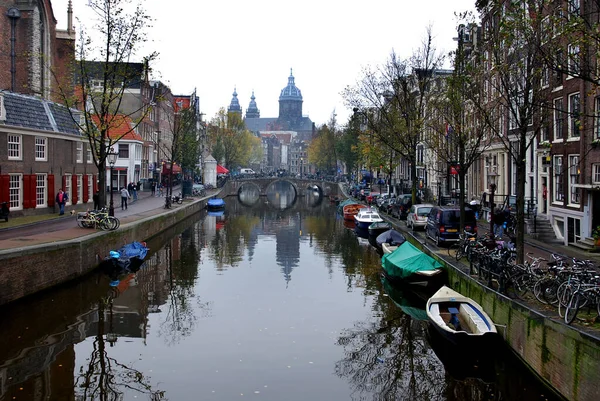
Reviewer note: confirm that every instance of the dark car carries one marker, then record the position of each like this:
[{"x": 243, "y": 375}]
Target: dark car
[
  {"x": 402, "y": 205},
  {"x": 443, "y": 223}
]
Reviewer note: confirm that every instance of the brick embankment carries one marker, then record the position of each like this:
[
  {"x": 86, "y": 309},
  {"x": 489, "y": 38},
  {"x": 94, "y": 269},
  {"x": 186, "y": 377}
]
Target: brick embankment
[{"x": 41, "y": 260}]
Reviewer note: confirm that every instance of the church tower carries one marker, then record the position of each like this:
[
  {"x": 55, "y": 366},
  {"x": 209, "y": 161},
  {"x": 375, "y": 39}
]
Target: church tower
[
  {"x": 290, "y": 102},
  {"x": 234, "y": 106},
  {"x": 252, "y": 110}
]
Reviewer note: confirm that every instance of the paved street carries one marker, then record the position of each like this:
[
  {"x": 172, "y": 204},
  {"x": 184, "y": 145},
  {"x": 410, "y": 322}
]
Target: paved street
[{"x": 65, "y": 227}]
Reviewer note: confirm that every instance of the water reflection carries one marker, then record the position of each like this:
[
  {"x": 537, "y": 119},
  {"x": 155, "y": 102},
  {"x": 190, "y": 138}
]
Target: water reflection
[{"x": 254, "y": 300}]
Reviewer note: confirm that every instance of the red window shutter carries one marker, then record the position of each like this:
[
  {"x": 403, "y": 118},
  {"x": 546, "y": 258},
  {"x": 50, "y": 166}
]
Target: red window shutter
[
  {"x": 74, "y": 189},
  {"x": 5, "y": 188},
  {"x": 27, "y": 195},
  {"x": 95, "y": 178},
  {"x": 86, "y": 196},
  {"x": 51, "y": 194}
]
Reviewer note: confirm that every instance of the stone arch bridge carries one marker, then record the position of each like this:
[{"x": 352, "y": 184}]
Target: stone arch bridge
[{"x": 326, "y": 188}]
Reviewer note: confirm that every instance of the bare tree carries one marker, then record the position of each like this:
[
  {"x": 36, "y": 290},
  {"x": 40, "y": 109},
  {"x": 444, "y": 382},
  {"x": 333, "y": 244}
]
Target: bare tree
[
  {"x": 392, "y": 100},
  {"x": 103, "y": 71},
  {"x": 455, "y": 130}
]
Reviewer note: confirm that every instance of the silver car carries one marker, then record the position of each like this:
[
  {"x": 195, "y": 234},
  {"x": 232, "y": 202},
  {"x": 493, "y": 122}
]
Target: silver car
[{"x": 417, "y": 215}]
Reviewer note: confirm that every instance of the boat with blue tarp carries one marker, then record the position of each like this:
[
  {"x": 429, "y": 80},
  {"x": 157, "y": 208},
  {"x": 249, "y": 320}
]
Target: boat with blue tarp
[{"x": 215, "y": 204}]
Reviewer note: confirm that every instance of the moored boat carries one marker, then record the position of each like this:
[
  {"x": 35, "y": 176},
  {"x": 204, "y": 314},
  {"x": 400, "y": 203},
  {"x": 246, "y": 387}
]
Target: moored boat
[
  {"x": 365, "y": 217},
  {"x": 352, "y": 210},
  {"x": 378, "y": 228},
  {"x": 411, "y": 266},
  {"x": 391, "y": 239},
  {"x": 459, "y": 319},
  {"x": 215, "y": 204},
  {"x": 125, "y": 260}
]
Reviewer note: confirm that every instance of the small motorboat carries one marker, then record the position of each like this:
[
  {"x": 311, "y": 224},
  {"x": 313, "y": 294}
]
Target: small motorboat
[
  {"x": 378, "y": 228},
  {"x": 125, "y": 260},
  {"x": 215, "y": 204},
  {"x": 391, "y": 239},
  {"x": 352, "y": 210},
  {"x": 459, "y": 319},
  {"x": 365, "y": 217},
  {"x": 409, "y": 265}
]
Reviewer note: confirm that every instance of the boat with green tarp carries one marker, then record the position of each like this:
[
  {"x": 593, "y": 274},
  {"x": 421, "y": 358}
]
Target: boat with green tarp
[{"x": 409, "y": 265}]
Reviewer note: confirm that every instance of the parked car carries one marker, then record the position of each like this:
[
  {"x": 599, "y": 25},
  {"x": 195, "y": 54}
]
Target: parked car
[
  {"x": 443, "y": 223},
  {"x": 401, "y": 206},
  {"x": 417, "y": 215}
]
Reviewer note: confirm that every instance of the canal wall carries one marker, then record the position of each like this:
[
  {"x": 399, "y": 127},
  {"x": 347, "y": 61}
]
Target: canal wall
[
  {"x": 27, "y": 270},
  {"x": 566, "y": 358}
]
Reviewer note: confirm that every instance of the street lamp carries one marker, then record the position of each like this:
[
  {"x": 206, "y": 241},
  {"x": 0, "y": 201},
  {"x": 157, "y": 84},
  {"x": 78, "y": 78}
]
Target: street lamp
[
  {"x": 301, "y": 166},
  {"x": 492, "y": 177},
  {"x": 111, "y": 156}
]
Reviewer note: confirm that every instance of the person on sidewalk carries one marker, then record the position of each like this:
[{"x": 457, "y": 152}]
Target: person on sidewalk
[
  {"x": 153, "y": 193},
  {"x": 61, "y": 200},
  {"x": 498, "y": 223},
  {"x": 124, "y": 196},
  {"x": 132, "y": 192},
  {"x": 96, "y": 199}
]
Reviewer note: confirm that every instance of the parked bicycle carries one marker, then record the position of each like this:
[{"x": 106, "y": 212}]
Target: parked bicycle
[{"x": 97, "y": 219}]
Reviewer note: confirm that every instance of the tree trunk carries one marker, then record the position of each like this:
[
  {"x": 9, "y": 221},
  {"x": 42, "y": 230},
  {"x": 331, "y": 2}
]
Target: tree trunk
[
  {"x": 413, "y": 177},
  {"x": 521, "y": 167},
  {"x": 101, "y": 186}
]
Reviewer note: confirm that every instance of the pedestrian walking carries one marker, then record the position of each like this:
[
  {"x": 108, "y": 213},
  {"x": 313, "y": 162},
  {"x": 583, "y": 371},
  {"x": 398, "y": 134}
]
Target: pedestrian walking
[
  {"x": 61, "y": 200},
  {"x": 96, "y": 199},
  {"x": 153, "y": 193},
  {"x": 124, "y": 196},
  {"x": 499, "y": 217},
  {"x": 131, "y": 190}
]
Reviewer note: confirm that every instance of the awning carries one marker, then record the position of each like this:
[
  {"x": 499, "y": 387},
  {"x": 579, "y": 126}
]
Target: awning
[
  {"x": 167, "y": 167},
  {"x": 221, "y": 170}
]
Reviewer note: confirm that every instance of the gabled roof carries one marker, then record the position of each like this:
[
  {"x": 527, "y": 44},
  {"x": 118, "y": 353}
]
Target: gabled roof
[
  {"x": 119, "y": 126},
  {"x": 40, "y": 114}
]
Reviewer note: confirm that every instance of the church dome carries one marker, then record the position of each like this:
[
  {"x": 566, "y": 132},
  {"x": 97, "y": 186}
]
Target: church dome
[
  {"x": 234, "y": 106},
  {"x": 290, "y": 92}
]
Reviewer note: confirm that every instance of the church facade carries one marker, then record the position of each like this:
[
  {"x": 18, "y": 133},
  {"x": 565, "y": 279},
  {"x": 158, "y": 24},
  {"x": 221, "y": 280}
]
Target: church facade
[{"x": 285, "y": 137}]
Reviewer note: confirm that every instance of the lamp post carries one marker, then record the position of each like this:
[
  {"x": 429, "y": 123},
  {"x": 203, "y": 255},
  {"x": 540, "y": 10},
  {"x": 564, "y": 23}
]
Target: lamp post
[
  {"x": 492, "y": 177},
  {"x": 301, "y": 166},
  {"x": 111, "y": 156}
]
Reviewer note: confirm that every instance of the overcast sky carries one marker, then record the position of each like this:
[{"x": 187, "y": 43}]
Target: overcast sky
[{"x": 216, "y": 46}]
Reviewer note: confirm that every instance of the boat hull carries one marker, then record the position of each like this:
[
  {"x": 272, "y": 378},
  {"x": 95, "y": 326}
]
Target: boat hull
[{"x": 460, "y": 320}]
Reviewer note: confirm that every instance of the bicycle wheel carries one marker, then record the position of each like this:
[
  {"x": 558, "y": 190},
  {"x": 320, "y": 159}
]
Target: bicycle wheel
[
  {"x": 518, "y": 286},
  {"x": 572, "y": 308},
  {"x": 105, "y": 223},
  {"x": 564, "y": 293},
  {"x": 113, "y": 223},
  {"x": 539, "y": 288}
]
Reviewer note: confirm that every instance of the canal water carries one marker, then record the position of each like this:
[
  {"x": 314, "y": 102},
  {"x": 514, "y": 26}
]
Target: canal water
[{"x": 274, "y": 299}]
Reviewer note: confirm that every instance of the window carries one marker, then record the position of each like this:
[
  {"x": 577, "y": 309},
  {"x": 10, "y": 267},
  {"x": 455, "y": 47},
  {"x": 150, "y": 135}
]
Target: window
[
  {"x": 123, "y": 151},
  {"x": 558, "y": 119},
  {"x": 79, "y": 188},
  {"x": 14, "y": 147},
  {"x": 40, "y": 190},
  {"x": 88, "y": 154},
  {"x": 545, "y": 77},
  {"x": 574, "y": 58},
  {"x": 14, "y": 190},
  {"x": 67, "y": 188},
  {"x": 40, "y": 148},
  {"x": 574, "y": 173},
  {"x": 560, "y": 66},
  {"x": 574, "y": 115},
  {"x": 90, "y": 180},
  {"x": 546, "y": 28},
  {"x": 574, "y": 8},
  {"x": 596, "y": 173},
  {"x": 558, "y": 182},
  {"x": 79, "y": 152}
]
